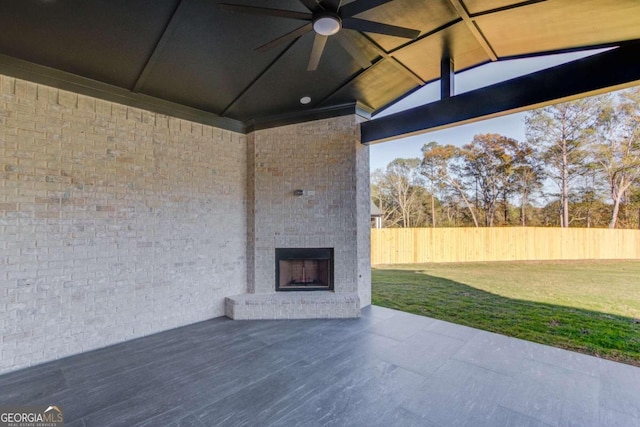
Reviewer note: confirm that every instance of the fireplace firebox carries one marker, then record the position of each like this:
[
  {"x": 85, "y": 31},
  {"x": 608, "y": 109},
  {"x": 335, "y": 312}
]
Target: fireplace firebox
[{"x": 304, "y": 269}]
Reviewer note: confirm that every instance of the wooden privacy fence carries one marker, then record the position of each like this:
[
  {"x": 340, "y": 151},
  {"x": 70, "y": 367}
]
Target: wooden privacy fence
[{"x": 417, "y": 245}]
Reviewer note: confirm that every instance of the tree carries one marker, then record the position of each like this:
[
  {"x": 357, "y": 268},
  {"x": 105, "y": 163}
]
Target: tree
[
  {"x": 633, "y": 220},
  {"x": 499, "y": 168},
  {"x": 400, "y": 193},
  {"x": 485, "y": 164},
  {"x": 526, "y": 175},
  {"x": 441, "y": 164},
  {"x": 430, "y": 168},
  {"x": 587, "y": 202},
  {"x": 561, "y": 133},
  {"x": 617, "y": 151}
]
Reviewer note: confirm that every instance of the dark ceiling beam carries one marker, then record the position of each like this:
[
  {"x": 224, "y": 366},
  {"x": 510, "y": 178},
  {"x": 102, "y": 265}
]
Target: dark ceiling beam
[
  {"x": 610, "y": 70},
  {"x": 157, "y": 50},
  {"x": 66, "y": 81},
  {"x": 507, "y": 7},
  {"x": 471, "y": 25},
  {"x": 447, "y": 76},
  {"x": 253, "y": 82},
  {"x": 350, "y": 81},
  {"x": 383, "y": 53},
  {"x": 424, "y": 36},
  {"x": 355, "y": 108}
]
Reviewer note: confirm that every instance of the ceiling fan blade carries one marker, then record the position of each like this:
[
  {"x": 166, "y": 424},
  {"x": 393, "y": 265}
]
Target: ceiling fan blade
[
  {"x": 359, "y": 6},
  {"x": 316, "y": 53},
  {"x": 266, "y": 11},
  {"x": 379, "y": 28},
  {"x": 312, "y": 5},
  {"x": 346, "y": 41},
  {"x": 286, "y": 38}
]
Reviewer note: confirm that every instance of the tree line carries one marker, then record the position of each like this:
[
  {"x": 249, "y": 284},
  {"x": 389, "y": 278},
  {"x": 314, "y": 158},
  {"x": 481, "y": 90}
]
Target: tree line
[{"x": 578, "y": 166}]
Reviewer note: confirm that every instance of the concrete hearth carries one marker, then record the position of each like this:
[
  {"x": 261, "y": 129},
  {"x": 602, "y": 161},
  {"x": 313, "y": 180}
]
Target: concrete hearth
[{"x": 293, "y": 305}]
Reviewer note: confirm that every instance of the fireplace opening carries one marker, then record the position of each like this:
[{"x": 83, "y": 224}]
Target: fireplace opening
[{"x": 304, "y": 269}]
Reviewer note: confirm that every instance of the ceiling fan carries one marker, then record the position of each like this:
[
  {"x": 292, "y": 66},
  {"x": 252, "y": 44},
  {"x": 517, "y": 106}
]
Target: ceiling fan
[{"x": 327, "y": 18}]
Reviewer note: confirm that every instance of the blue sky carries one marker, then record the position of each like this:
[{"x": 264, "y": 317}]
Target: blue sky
[{"x": 511, "y": 125}]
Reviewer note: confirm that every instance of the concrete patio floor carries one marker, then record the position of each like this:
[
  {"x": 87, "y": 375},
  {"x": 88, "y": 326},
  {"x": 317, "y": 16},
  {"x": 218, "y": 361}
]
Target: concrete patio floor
[{"x": 387, "y": 368}]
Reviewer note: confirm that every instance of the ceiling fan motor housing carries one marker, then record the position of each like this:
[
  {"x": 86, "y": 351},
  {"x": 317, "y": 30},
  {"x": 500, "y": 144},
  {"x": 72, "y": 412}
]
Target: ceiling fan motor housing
[{"x": 327, "y": 23}]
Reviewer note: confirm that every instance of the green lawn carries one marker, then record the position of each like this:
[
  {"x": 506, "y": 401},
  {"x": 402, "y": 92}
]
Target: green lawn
[{"x": 588, "y": 306}]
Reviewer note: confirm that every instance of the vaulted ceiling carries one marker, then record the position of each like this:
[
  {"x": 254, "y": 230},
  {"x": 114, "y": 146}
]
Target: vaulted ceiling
[{"x": 201, "y": 55}]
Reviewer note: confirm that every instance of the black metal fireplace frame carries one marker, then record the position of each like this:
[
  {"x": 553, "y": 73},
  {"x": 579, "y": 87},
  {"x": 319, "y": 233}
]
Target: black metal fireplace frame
[{"x": 292, "y": 254}]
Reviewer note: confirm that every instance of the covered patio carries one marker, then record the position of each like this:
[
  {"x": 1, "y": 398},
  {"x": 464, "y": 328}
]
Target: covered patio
[
  {"x": 164, "y": 164},
  {"x": 387, "y": 368}
]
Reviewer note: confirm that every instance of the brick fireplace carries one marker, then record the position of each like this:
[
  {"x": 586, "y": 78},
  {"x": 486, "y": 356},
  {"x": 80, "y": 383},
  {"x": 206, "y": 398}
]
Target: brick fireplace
[{"x": 308, "y": 188}]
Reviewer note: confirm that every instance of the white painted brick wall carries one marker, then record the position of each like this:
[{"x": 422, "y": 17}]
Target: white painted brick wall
[{"x": 114, "y": 222}]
